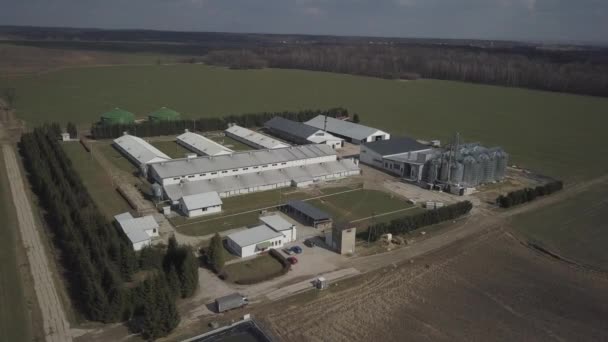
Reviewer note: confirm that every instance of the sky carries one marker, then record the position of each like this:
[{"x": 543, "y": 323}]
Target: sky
[{"x": 546, "y": 20}]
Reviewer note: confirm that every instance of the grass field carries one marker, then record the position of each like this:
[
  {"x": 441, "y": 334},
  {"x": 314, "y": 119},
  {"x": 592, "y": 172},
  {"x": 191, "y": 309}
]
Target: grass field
[
  {"x": 115, "y": 157},
  {"x": 96, "y": 180},
  {"x": 557, "y": 134},
  {"x": 356, "y": 205},
  {"x": 344, "y": 207},
  {"x": 15, "y": 323},
  {"x": 231, "y": 143},
  {"x": 253, "y": 268},
  {"x": 577, "y": 228},
  {"x": 171, "y": 148}
]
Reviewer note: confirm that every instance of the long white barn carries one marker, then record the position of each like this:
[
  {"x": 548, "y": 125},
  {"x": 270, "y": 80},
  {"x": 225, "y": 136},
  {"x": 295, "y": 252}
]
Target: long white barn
[
  {"x": 139, "y": 151},
  {"x": 201, "y": 145},
  {"x": 207, "y": 167},
  {"x": 254, "y": 139}
]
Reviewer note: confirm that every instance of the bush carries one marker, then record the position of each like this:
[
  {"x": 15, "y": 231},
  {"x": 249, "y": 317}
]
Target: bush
[
  {"x": 410, "y": 223},
  {"x": 528, "y": 194}
]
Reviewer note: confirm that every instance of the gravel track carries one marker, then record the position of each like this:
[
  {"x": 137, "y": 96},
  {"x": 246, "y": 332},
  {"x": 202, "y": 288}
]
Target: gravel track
[{"x": 55, "y": 323}]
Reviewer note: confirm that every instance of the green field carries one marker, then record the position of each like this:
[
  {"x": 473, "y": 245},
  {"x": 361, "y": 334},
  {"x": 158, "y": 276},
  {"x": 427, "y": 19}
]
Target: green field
[
  {"x": 231, "y": 143},
  {"x": 97, "y": 181},
  {"x": 171, "y": 148},
  {"x": 557, "y": 134},
  {"x": 15, "y": 322},
  {"x": 252, "y": 269},
  {"x": 361, "y": 204},
  {"x": 576, "y": 228},
  {"x": 115, "y": 157}
]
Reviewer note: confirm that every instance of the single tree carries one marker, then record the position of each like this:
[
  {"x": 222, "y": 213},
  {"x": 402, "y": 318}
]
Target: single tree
[
  {"x": 215, "y": 254},
  {"x": 356, "y": 118}
]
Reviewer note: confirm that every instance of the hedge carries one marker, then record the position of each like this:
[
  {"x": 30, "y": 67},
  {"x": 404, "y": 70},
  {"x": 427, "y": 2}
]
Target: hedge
[
  {"x": 409, "y": 223},
  {"x": 528, "y": 194}
]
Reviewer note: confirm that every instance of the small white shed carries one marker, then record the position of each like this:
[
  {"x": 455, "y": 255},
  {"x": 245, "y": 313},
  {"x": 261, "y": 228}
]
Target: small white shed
[
  {"x": 205, "y": 203},
  {"x": 139, "y": 230}
]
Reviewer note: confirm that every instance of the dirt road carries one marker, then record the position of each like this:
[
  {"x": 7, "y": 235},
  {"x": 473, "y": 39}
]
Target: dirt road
[{"x": 55, "y": 323}]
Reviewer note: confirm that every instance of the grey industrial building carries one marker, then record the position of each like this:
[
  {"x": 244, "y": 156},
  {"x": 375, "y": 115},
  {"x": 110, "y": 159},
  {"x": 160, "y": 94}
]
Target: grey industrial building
[
  {"x": 462, "y": 166},
  {"x": 300, "y": 133},
  {"x": 307, "y": 214}
]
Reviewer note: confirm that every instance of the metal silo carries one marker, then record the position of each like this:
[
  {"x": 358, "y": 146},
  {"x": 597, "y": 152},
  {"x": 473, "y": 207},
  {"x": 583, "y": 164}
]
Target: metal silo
[
  {"x": 456, "y": 173},
  {"x": 468, "y": 177},
  {"x": 432, "y": 170},
  {"x": 484, "y": 160},
  {"x": 502, "y": 161},
  {"x": 490, "y": 169},
  {"x": 445, "y": 170},
  {"x": 477, "y": 172}
]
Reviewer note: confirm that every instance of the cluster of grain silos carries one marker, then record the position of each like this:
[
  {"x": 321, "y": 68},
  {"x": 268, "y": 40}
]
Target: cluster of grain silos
[{"x": 468, "y": 166}]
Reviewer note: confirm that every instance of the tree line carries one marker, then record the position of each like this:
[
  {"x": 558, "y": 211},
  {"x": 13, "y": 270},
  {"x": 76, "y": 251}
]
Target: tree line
[
  {"x": 153, "y": 128},
  {"x": 581, "y": 73},
  {"x": 410, "y": 223},
  {"x": 99, "y": 262},
  {"x": 528, "y": 194}
]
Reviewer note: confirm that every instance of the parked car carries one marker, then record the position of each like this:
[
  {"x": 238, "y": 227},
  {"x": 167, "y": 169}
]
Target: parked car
[
  {"x": 310, "y": 243},
  {"x": 292, "y": 260},
  {"x": 296, "y": 249},
  {"x": 287, "y": 251}
]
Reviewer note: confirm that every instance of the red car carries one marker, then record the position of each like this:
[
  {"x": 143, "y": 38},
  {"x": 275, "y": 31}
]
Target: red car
[{"x": 292, "y": 260}]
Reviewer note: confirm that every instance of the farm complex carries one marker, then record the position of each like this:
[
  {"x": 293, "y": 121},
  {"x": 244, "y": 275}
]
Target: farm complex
[{"x": 210, "y": 213}]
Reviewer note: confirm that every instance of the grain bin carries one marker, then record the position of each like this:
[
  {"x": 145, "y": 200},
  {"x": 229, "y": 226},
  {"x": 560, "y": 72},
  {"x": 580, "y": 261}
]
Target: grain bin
[
  {"x": 117, "y": 116},
  {"x": 164, "y": 114},
  {"x": 468, "y": 177},
  {"x": 502, "y": 160},
  {"x": 432, "y": 170},
  {"x": 456, "y": 173}
]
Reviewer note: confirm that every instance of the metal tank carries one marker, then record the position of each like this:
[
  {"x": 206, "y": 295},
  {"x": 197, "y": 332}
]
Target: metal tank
[
  {"x": 484, "y": 160},
  {"x": 431, "y": 169},
  {"x": 468, "y": 177},
  {"x": 445, "y": 170},
  {"x": 456, "y": 173},
  {"x": 502, "y": 161},
  {"x": 477, "y": 172}
]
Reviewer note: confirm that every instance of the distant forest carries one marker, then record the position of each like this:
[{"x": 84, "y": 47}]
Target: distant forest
[{"x": 563, "y": 68}]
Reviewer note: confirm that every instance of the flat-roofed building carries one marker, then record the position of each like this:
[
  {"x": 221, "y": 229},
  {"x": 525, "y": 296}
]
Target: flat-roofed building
[
  {"x": 201, "y": 145},
  {"x": 281, "y": 225},
  {"x": 300, "y": 133},
  {"x": 352, "y": 132},
  {"x": 255, "y": 240},
  {"x": 205, "y": 203},
  {"x": 253, "y": 139}
]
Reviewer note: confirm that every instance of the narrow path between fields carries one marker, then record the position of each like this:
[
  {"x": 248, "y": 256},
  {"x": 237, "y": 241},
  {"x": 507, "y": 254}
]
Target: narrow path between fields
[{"x": 55, "y": 323}]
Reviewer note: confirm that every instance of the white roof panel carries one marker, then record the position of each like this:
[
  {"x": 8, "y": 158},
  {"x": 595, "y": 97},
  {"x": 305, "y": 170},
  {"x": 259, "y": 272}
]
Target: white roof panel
[
  {"x": 202, "y": 200},
  {"x": 256, "y": 138},
  {"x": 276, "y": 222},
  {"x": 184, "y": 166},
  {"x": 199, "y": 144},
  {"x": 135, "y": 227},
  {"x": 253, "y": 236},
  {"x": 343, "y": 128},
  {"x": 140, "y": 149}
]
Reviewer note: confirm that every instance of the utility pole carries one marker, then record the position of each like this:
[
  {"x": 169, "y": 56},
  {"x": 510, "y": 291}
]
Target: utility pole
[{"x": 372, "y": 226}]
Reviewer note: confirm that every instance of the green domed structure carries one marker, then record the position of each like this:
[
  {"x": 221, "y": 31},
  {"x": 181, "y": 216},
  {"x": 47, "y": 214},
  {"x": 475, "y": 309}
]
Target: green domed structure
[
  {"x": 117, "y": 116},
  {"x": 164, "y": 114}
]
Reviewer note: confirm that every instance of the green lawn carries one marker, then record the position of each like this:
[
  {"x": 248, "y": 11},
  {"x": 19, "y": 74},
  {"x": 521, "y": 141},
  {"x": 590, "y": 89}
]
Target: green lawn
[
  {"x": 252, "y": 269},
  {"x": 15, "y": 320},
  {"x": 576, "y": 228},
  {"x": 237, "y": 204},
  {"x": 171, "y": 148},
  {"x": 115, "y": 157},
  {"x": 557, "y": 134},
  {"x": 97, "y": 181},
  {"x": 360, "y": 204}
]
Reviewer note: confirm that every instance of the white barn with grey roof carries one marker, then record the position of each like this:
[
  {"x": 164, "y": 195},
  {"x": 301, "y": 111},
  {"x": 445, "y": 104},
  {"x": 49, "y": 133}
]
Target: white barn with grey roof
[
  {"x": 253, "y": 139},
  {"x": 300, "y": 133},
  {"x": 201, "y": 145},
  {"x": 205, "y": 203},
  {"x": 355, "y": 133},
  {"x": 281, "y": 225},
  {"x": 139, "y": 151},
  {"x": 139, "y": 230},
  {"x": 254, "y": 241},
  {"x": 298, "y": 176},
  {"x": 239, "y": 163}
]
